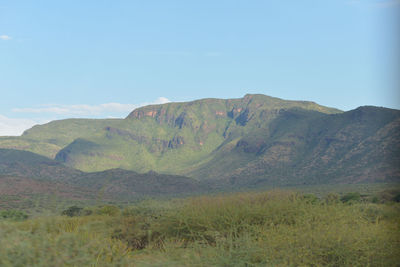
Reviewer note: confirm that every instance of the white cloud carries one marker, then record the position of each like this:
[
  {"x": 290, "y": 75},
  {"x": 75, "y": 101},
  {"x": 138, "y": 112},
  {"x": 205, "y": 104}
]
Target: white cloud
[
  {"x": 80, "y": 110},
  {"x": 87, "y": 110},
  {"x": 11, "y": 127},
  {"x": 16, "y": 126},
  {"x": 5, "y": 37},
  {"x": 161, "y": 100}
]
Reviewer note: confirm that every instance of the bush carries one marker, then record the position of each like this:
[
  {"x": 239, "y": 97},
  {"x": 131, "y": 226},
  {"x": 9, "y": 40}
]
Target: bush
[
  {"x": 351, "y": 197},
  {"x": 273, "y": 229},
  {"x": 136, "y": 232},
  {"x": 389, "y": 195},
  {"x": 209, "y": 219},
  {"x": 396, "y": 198},
  {"x": 246, "y": 229},
  {"x": 14, "y": 215},
  {"x": 72, "y": 211},
  {"x": 60, "y": 241}
]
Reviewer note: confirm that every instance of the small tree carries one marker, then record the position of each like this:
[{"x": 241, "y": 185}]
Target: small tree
[{"x": 72, "y": 211}]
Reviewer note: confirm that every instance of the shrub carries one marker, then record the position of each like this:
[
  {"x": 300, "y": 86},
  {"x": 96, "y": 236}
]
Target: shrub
[
  {"x": 389, "y": 195},
  {"x": 375, "y": 200},
  {"x": 72, "y": 211},
  {"x": 136, "y": 232},
  {"x": 246, "y": 229},
  {"x": 14, "y": 215},
  {"x": 396, "y": 198},
  {"x": 351, "y": 197},
  {"x": 60, "y": 241}
]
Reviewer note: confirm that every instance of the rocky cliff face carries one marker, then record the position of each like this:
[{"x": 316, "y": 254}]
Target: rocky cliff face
[{"x": 242, "y": 110}]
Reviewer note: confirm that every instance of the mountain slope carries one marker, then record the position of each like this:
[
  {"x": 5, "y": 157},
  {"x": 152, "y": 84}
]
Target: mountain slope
[
  {"x": 303, "y": 147},
  {"x": 25, "y": 173},
  {"x": 123, "y": 184},
  {"x": 48, "y": 139},
  {"x": 27, "y": 164},
  {"x": 27, "y": 187},
  {"x": 153, "y": 131},
  {"x": 249, "y": 141},
  {"x": 175, "y": 137}
]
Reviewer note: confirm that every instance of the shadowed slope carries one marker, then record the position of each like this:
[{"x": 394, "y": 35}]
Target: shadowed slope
[
  {"x": 302, "y": 147},
  {"x": 27, "y": 164},
  {"x": 24, "y": 173}
]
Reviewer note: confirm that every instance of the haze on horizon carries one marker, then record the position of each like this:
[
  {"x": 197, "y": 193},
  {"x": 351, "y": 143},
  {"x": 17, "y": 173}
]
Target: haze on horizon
[{"x": 104, "y": 58}]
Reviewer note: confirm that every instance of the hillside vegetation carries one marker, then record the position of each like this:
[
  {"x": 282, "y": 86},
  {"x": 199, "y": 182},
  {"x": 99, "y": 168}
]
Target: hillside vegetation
[
  {"x": 26, "y": 178},
  {"x": 253, "y": 141},
  {"x": 275, "y": 228}
]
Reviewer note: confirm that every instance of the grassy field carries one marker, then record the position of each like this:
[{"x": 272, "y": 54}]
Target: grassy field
[{"x": 274, "y": 228}]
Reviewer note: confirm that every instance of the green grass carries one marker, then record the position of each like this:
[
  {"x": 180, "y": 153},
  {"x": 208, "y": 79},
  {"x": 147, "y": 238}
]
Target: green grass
[{"x": 274, "y": 228}]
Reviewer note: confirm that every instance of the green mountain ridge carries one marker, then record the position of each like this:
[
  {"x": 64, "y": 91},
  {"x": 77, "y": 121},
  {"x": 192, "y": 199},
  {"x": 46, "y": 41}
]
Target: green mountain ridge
[
  {"x": 175, "y": 137},
  {"x": 248, "y": 141}
]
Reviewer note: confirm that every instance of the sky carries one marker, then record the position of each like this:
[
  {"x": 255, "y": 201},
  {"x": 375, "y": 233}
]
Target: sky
[{"x": 103, "y": 58}]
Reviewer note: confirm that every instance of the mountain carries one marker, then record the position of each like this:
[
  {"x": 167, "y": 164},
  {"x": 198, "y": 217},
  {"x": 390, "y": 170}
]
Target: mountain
[
  {"x": 249, "y": 141},
  {"x": 24, "y": 173},
  {"x": 27, "y": 187},
  {"x": 302, "y": 147},
  {"x": 123, "y": 184},
  {"x": 169, "y": 138},
  {"x": 27, "y": 164},
  {"x": 48, "y": 139}
]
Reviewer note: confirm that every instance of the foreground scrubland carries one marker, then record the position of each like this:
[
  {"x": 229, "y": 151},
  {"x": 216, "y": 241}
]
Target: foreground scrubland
[{"x": 274, "y": 228}]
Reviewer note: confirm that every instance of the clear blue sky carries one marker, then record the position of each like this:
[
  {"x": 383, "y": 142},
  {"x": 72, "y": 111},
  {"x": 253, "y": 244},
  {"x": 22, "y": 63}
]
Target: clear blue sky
[{"x": 61, "y": 55}]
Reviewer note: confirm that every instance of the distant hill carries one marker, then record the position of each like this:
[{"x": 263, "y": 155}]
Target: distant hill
[
  {"x": 123, "y": 184},
  {"x": 251, "y": 141},
  {"x": 25, "y": 173},
  {"x": 27, "y": 187},
  {"x": 27, "y": 164},
  {"x": 48, "y": 139}
]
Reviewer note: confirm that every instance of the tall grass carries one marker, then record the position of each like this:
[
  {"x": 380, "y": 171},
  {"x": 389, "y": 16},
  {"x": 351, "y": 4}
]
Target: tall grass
[
  {"x": 60, "y": 241},
  {"x": 283, "y": 229},
  {"x": 274, "y": 228}
]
